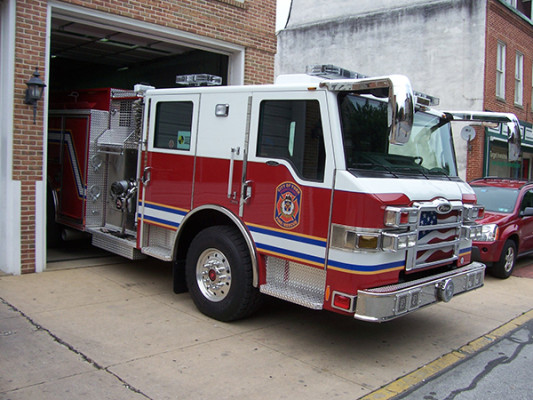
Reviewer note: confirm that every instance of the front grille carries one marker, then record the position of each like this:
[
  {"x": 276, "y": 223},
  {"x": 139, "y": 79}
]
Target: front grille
[{"x": 438, "y": 237}]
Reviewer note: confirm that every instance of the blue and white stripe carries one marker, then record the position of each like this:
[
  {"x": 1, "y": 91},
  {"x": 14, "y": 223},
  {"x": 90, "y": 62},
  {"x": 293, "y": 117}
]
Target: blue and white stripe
[{"x": 161, "y": 215}]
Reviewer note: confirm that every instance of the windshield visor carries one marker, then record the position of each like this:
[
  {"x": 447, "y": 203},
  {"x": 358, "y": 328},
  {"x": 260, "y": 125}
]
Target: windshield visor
[{"x": 429, "y": 152}]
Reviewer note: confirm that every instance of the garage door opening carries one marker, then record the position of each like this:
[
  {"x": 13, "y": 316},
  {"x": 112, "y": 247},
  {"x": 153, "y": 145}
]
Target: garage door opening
[
  {"x": 87, "y": 56},
  {"x": 89, "y": 51}
]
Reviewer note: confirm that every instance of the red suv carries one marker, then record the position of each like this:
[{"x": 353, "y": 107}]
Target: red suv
[{"x": 507, "y": 224}]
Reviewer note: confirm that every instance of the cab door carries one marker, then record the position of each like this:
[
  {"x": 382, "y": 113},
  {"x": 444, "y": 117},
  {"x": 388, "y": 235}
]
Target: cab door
[
  {"x": 289, "y": 176},
  {"x": 167, "y": 167}
]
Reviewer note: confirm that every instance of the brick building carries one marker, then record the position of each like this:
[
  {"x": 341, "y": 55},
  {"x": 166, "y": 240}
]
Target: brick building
[
  {"x": 508, "y": 83},
  {"x": 447, "y": 48},
  {"x": 77, "y": 44}
]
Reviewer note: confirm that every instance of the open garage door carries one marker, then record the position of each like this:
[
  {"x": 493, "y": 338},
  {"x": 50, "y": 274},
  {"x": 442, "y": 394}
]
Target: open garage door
[{"x": 89, "y": 55}]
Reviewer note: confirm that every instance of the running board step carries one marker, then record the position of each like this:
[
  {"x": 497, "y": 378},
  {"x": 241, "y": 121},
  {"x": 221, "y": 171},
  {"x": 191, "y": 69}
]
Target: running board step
[
  {"x": 122, "y": 246},
  {"x": 294, "y": 282},
  {"x": 158, "y": 252},
  {"x": 306, "y": 298}
]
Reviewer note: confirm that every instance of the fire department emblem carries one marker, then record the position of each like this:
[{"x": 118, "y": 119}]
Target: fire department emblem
[{"x": 288, "y": 199}]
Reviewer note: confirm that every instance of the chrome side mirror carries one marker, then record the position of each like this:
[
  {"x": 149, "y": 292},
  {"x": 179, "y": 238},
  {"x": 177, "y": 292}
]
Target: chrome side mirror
[
  {"x": 513, "y": 141},
  {"x": 401, "y": 109},
  {"x": 487, "y": 118}
]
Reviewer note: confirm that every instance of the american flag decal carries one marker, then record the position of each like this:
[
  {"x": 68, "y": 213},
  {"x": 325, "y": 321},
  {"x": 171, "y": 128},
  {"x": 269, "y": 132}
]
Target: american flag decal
[{"x": 437, "y": 237}]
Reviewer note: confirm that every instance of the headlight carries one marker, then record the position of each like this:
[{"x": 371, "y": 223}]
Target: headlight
[
  {"x": 473, "y": 211},
  {"x": 401, "y": 217},
  {"x": 489, "y": 233},
  {"x": 351, "y": 238},
  {"x": 399, "y": 241}
]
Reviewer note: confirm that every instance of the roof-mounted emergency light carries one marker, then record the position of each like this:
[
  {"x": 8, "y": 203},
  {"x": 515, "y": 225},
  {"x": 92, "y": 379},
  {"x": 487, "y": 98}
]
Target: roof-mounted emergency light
[
  {"x": 425, "y": 99},
  {"x": 198, "y": 80},
  {"x": 329, "y": 71}
]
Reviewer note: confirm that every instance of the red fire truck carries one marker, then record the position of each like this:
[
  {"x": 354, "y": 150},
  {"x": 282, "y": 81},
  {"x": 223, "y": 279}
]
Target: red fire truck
[{"x": 327, "y": 189}]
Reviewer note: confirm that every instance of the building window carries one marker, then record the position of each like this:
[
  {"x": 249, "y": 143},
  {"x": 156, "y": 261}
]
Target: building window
[
  {"x": 511, "y": 3},
  {"x": 532, "y": 87},
  {"x": 500, "y": 71},
  {"x": 519, "y": 79}
]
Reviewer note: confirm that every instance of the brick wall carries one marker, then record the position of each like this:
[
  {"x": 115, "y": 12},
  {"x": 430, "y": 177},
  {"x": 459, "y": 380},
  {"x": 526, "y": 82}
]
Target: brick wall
[
  {"x": 506, "y": 26},
  {"x": 27, "y": 136},
  {"x": 517, "y": 34},
  {"x": 250, "y": 24},
  {"x": 474, "y": 166}
]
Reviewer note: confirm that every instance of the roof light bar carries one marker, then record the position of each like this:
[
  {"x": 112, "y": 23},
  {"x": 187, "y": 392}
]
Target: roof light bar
[
  {"x": 198, "y": 80},
  {"x": 425, "y": 99},
  {"x": 329, "y": 71}
]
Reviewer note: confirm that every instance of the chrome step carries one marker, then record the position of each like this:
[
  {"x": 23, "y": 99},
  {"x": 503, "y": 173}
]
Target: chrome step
[{"x": 110, "y": 241}]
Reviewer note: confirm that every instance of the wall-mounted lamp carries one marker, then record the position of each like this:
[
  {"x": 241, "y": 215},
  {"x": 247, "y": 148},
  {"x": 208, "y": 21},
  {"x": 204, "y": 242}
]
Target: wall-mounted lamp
[{"x": 34, "y": 92}]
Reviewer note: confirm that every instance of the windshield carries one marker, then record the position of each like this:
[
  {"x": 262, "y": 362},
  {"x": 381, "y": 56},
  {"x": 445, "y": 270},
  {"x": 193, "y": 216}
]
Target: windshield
[
  {"x": 429, "y": 152},
  {"x": 496, "y": 199}
]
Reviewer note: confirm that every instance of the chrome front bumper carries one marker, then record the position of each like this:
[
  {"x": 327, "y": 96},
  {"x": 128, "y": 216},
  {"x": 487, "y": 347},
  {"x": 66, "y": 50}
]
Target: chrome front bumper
[{"x": 389, "y": 302}]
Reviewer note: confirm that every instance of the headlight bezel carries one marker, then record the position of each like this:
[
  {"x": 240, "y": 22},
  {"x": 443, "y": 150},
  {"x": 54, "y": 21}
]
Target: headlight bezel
[{"x": 489, "y": 233}]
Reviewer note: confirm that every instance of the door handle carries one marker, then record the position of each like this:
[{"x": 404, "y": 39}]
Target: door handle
[
  {"x": 234, "y": 151},
  {"x": 147, "y": 176},
  {"x": 247, "y": 191}
]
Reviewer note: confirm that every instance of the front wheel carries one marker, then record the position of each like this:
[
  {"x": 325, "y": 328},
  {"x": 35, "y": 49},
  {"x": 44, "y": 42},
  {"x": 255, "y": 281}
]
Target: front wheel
[
  {"x": 219, "y": 274},
  {"x": 505, "y": 265}
]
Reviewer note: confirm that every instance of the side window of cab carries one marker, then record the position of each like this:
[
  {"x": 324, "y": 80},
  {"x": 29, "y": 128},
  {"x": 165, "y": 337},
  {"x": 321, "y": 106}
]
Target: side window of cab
[{"x": 292, "y": 130}]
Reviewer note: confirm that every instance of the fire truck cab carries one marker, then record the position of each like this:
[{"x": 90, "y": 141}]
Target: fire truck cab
[{"x": 338, "y": 194}]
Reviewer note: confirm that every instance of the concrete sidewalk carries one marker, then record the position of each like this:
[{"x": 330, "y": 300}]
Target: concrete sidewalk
[{"x": 115, "y": 330}]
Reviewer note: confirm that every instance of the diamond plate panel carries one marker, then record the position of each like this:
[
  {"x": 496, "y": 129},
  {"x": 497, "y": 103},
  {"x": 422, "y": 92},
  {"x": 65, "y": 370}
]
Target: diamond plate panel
[
  {"x": 96, "y": 190},
  {"x": 124, "y": 247},
  {"x": 295, "y": 282}
]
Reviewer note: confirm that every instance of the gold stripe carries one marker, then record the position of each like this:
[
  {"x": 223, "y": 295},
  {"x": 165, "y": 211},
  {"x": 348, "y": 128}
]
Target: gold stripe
[{"x": 267, "y": 228}]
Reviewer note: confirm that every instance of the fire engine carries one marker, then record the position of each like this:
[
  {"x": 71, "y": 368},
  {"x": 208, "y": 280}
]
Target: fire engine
[{"x": 328, "y": 189}]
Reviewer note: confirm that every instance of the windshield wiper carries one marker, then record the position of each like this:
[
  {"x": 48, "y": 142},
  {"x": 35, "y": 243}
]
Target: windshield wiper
[
  {"x": 372, "y": 166},
  {"x": 413, "y": 169}
]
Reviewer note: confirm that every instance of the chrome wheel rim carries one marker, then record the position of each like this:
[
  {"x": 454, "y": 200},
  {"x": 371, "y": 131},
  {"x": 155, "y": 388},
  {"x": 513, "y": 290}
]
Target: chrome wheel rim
[
  {"x": 509, "y": 260},
  {"x": 213, "y": 274}
]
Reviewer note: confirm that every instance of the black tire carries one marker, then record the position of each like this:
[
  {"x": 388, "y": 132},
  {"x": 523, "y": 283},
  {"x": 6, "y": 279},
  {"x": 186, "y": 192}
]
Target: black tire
[
  {"x": 219, "y": 274},
  {"x": 505, "y": 265}
]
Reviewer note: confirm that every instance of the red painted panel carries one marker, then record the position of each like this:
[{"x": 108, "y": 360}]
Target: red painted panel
[
  {"x": 364, "y": 210},
  {"x": 83, "y": 99},
  {"x": 171, "y": 179},
  {"x": 313, "y": 203},
  {"x": 68, "y": 159},
  {"x": 211, "y": 183}
]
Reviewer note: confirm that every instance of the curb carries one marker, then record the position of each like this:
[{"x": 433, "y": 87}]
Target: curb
[{"x": 446, "y": 361}]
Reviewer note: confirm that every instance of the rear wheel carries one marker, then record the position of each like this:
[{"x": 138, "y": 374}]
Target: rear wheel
[
  {"x": 219, "y": 274},
  {"x": 505, "y": 265}
]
